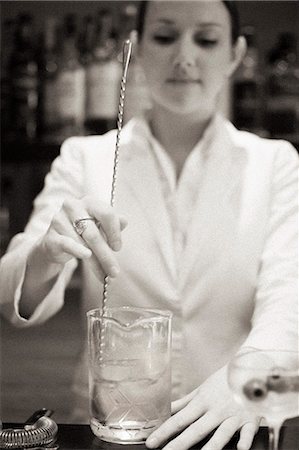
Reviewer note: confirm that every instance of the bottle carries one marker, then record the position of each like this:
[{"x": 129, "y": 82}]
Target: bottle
[
  {"x": 86, "y": 40},
  {"x": 24, "y": 80},
  {"x": 248, "y": 89},
  {"x": 48, "y": 69},
  {"x": 5, "y": 219},
  {"x": 103, "y": 75},
  {"x": 137, "y": 93},
  {"x": 282, "y": 102},
  {"x": 4, "y": 229},
  {"x": 6, "y": 51},
  {"x": 70, "y": 82}
]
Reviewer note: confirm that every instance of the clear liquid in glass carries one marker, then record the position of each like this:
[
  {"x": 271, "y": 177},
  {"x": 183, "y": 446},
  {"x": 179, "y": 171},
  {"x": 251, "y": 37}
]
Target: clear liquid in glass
[{"x": 129, "y": 372}]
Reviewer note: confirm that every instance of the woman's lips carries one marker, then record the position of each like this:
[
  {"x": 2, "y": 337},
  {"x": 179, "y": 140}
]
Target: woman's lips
[{"x": 183, "y": 81}]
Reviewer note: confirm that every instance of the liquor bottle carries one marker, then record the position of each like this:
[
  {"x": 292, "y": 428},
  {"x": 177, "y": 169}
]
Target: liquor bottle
[
  {"x": 248, "y": 88},
  {"x": 70, "y": 83},
  {"x": 103, "y": 74},
  {"x": 5, "y": 218},
  {"x": 6, "y": 50},
  {"x": 86, "y": 40},
  {"x": 137, "y": 93},
  {"x": 48, "y": 67},
  {"x": 24, "y": 80},
  {"x": 282, "y": 102},
  {"x": 4, "y": 229}
]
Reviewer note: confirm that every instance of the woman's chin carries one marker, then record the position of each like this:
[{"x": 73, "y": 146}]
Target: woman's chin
[
  {"x": 183, "y": 109},
  {"x": 183, "y": 106}
]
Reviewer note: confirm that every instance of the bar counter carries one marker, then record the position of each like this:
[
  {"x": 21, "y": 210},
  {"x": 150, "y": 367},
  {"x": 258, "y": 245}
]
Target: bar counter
[{"x": 80, "y": 437}]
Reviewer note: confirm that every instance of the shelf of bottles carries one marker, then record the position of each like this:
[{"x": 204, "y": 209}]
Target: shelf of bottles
[
  {"x": 65, "y": 82},
  {"x": 265, "y": 94}
]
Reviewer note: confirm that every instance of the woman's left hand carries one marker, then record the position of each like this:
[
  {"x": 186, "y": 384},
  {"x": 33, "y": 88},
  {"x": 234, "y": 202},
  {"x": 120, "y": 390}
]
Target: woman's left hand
[{"x": 207, "y": 408}]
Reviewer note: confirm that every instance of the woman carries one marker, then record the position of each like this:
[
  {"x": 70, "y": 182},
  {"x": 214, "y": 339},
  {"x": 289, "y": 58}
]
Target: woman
[{"x": 204, "y": 223}]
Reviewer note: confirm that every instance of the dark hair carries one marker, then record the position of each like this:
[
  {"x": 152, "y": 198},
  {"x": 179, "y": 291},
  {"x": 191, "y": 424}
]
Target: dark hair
[{"x": 229, "y": 4}]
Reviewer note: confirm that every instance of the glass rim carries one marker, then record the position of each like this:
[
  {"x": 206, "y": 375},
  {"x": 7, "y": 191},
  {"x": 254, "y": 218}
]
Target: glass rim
[
  {"x": 163, "y": 313},
  {"x": 236, "y": 361}
]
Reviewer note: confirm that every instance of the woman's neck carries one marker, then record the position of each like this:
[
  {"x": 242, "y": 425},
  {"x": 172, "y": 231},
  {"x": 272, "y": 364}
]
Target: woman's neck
[{"x": 178, "y": 134}]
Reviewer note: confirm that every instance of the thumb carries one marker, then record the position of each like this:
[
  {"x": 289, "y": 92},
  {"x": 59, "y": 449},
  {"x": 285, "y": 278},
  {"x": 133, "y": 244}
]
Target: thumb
[{"x": 123, "y": 222}]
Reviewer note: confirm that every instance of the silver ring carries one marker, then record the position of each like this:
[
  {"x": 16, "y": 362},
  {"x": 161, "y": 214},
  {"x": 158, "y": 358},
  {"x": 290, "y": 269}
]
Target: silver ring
[{"x": 80, "y": 225}]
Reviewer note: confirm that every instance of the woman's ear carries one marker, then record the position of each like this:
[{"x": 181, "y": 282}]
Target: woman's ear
[
  {"x": 134, "y": 38},
  {"x": 238, "y": 53}
]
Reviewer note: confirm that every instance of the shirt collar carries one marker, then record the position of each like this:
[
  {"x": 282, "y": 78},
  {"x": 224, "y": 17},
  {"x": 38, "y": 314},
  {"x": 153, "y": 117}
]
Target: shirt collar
[
  {"x": 166, "y": 165},
  {"x": 142, "y": 129}
]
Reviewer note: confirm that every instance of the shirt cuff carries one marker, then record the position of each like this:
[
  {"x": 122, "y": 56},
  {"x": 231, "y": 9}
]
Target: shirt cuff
[{"x": 50, "y": 305}]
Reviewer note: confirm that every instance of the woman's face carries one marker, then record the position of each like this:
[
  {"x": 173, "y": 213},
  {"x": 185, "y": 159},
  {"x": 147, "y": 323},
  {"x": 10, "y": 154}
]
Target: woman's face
[{"x": 187, "y": 54}]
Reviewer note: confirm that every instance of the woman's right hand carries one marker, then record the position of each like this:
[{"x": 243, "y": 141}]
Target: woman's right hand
[{"x": 99, "y": 241}]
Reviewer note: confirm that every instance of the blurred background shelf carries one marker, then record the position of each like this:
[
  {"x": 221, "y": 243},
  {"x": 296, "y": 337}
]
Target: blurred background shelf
[
  {"x": 21, "y": 151},
  {"x": 38, "y": 364},
  {"x": 61, "y": 68}
]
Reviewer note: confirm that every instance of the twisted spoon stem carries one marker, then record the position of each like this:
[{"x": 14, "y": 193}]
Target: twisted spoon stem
[{"x": 127, "y": 50}]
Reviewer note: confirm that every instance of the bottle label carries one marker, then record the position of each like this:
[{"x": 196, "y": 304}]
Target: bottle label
[
  {"x": 103, "y": 86},
  {"x": 24, "y": 101},
  {"x": 70, "y": 95},
  {"x": 282, "y": 115},
  {"x": 25, "y": 83},
  {"x": 50, "y": 111}
]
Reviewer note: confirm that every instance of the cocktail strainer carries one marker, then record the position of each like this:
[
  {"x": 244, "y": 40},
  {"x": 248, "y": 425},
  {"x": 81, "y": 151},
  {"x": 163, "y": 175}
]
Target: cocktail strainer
[{"x": 38, "y": 430}]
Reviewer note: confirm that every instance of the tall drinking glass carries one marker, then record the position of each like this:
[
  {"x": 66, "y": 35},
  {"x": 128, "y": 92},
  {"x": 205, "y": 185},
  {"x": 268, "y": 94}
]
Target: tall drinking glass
[
  {"x": 129, "y": 372},
  {"x": 266, "y": 382}
]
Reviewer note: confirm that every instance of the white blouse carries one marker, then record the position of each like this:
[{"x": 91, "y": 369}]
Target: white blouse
[{"x": 219, "y": 248}]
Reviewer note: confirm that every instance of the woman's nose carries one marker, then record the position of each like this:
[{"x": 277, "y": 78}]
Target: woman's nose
[{"x": 184, "y": 53}]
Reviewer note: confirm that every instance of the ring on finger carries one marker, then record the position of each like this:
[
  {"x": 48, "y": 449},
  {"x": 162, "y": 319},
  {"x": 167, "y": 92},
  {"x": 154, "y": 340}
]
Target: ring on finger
[{"x": 81, "y": 224}]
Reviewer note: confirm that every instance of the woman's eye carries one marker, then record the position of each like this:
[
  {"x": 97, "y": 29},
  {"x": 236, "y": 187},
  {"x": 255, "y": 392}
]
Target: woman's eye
[
  {"x": 205, "y": 42},
  {"x": 164, "y": 39}
]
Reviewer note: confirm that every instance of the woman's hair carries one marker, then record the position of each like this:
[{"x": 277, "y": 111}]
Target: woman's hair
[{"x": 229, "y": 4}]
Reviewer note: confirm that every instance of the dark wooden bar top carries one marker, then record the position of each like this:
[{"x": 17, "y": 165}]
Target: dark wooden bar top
[{"x": 80, "y": 437}]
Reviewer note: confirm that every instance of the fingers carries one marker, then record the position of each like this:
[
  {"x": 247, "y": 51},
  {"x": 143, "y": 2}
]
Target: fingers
[
  {"x": 172, "y": 426},
  {"x": 97, "y": 242},
  {"x": 123, "y": 222},
  {"x": 110, "y": 223},
  {"x": 101, "y": 241},
  {"x": 223, "y": 434},
  {"x": 195, "y": 425},
  {"x": 177, "y": 405},
  {"x": 68, "y": 245},
  {"x": 101, "y": 250},
  {"x": 195, "y": 432},
  {"x": 247, "y": 434},
  {"x": 96, "y": 268},
  {"x": 199, "y": 429},
  {"x": 59, "y": 248}
]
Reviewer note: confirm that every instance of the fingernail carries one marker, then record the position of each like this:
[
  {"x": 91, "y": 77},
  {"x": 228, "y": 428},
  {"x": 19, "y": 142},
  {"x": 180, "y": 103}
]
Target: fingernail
[
  {"x": 114, "y": 271},
  {"x": 116, "y": 245},
  {"x": 152, "y": 442}
]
